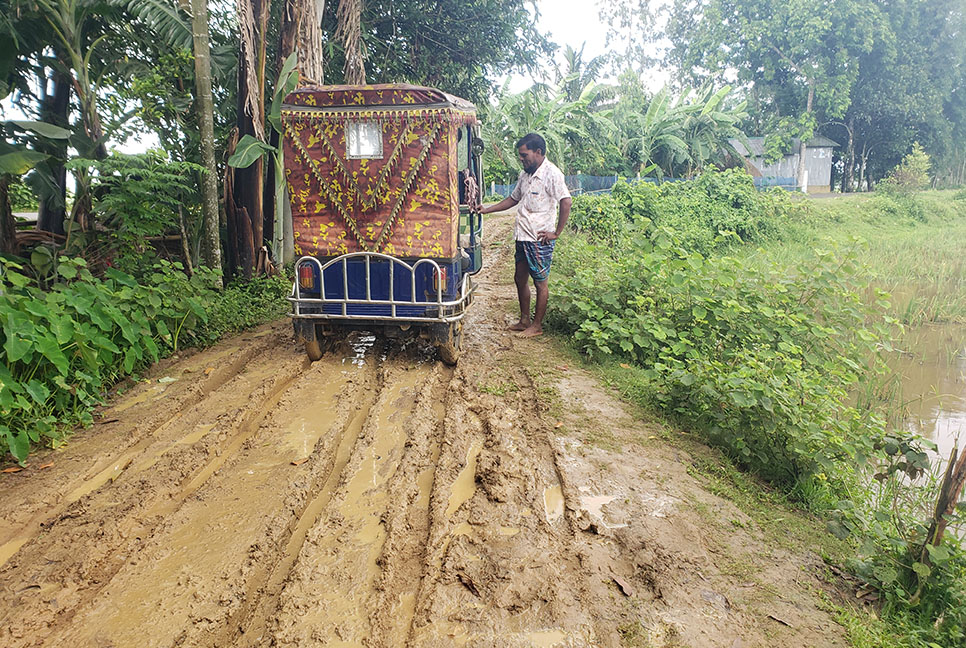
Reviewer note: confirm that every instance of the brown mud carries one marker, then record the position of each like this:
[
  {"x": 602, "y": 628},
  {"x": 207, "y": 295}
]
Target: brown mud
[{"x": 242, "y": 496}]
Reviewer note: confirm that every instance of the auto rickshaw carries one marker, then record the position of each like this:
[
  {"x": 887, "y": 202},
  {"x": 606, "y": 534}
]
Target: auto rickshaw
[{"x": 381, "y": 179}]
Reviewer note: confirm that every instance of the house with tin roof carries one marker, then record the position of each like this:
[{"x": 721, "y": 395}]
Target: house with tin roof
[{"x": 818, "y": 163}]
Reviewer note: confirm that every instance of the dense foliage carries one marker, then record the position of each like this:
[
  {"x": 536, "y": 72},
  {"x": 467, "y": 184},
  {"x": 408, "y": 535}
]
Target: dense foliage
[
  {"x": 760, "y": 361},
  {"x": 706, "y": 214}
]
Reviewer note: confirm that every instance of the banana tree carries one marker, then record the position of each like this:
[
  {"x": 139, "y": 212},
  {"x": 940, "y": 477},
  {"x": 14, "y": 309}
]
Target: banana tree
[{"x": 15, "y": 160}]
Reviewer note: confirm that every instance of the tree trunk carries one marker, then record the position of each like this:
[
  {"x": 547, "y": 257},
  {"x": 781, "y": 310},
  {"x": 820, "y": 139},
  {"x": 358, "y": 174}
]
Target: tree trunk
[
  {"x": 52, "y": 208},
  {"x": 349, "y": 30},
  {"x": 8, "y": 227},
  {"x": 849, "y": 159},
  {"x": 301, "y": 28},
  {"x": 247, "y": 185},
  {"x": 205, "y": 108},
  {"x": 802, "y": 149}
]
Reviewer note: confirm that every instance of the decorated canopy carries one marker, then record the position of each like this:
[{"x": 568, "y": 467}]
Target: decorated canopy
[{"x": 374, "y": 168}]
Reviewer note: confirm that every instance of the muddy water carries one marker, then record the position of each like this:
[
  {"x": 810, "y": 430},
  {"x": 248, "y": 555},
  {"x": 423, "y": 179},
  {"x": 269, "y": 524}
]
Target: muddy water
[{"x": 932, "y": 370}]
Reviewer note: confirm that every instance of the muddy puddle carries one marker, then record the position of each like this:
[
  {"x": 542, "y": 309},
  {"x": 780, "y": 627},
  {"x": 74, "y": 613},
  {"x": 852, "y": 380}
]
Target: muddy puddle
[{"x": 932, "y": 370}]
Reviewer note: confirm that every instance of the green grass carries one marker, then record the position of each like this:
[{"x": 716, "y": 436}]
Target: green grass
[{"x": 919, "y": 262}]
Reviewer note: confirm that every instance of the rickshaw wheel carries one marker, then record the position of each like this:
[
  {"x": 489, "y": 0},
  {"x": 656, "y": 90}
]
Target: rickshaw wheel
[
  {"x": 451, "y": 347},
  {"x": 314, "y": 350}
]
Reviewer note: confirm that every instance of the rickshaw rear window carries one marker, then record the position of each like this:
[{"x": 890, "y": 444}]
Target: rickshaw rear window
[{"x": 363, "y": 140}]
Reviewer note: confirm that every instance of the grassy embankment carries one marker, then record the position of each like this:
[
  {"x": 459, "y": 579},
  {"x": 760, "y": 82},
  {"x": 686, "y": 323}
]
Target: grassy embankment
[{"x": 757, "y": 342}]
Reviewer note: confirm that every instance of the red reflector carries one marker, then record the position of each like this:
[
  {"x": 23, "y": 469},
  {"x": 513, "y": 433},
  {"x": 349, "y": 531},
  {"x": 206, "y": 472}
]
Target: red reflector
[
  {"x": 306, "y": 277},
  {"x": 436, "y": 278}
]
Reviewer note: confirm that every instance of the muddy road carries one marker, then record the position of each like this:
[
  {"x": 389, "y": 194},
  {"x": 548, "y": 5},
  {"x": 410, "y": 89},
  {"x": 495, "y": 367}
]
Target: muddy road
[{"x": 242, "y": 496}]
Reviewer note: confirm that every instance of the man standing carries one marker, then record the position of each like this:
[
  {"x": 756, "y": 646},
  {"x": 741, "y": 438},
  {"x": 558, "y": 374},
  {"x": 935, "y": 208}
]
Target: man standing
[{"x": 539, "y": 190}]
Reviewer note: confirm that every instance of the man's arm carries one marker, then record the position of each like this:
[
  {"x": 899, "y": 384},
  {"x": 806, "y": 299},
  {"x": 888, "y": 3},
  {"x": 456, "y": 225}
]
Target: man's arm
[
  {"x": 503, "y": 205},
  {"x": 562, "y": 217}
]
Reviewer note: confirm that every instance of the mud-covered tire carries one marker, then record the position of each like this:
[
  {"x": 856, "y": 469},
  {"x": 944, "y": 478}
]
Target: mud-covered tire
[
  {"x": 314, "y": 350},
  {"x": 451, "y": 347}
]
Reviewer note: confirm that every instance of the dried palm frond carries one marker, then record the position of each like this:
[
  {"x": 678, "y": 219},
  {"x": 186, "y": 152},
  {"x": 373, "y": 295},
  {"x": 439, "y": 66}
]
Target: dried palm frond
[{"x": 349, "y": 16}]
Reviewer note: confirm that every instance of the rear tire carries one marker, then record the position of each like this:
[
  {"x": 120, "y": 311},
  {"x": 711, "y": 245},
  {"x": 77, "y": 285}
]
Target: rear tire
[
  {"x": 313, "y": 350},
  {"x": 451, "y": 347}
]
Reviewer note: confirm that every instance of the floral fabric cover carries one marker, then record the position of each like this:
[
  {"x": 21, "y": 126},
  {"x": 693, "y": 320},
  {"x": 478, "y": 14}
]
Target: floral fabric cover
[{"x": 404, "y": 203}]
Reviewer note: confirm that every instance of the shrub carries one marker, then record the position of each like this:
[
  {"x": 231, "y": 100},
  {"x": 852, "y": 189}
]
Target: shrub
[
  {"x": 141, "y": 196},
  {"x": 61, "y": 348},
  {"x": 912, "y": 173},
  {"x": 761, "y": 363},
  {"x": 707, "y": 214}
]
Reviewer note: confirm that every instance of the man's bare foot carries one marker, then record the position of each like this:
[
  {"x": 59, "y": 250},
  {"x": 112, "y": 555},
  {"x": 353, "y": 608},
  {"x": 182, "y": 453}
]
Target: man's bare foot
[
  {"x": 519, "y": 326},
  {"x": 531, "y": 331}
]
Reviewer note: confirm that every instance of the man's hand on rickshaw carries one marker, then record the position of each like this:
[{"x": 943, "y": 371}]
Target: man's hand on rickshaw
[{"x": 477, "y": 208}]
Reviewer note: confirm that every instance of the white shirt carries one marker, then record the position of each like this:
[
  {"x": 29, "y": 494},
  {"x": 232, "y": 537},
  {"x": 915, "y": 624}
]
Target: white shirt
[{"x": 538, "y": 195}]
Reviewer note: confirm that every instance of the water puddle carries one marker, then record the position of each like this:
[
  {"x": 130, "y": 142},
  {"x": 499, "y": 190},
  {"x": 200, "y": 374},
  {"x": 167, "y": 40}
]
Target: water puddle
[
  {"x": 465, "y": 484},
  {"x": 300, "y": 434},
  {"x": 206, "y": 539},
  {"x": 143, "y": 397},
  {"x": 347, "y": 559},
  {"x": 108, "y": 474},
  {"x": 360, "y": 345},
  {"x": 553, "y": 503},
  {"x": 594, "y": 504},
  {"x": 932, "y": 367},
  {"x": 547, "y": 639},
  {"x": 8, "y": 549}
]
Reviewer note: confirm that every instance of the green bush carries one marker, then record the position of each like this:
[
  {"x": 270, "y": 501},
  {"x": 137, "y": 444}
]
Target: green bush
[
  {"x": 912, "y": 173},
  {"x": 61, "y": 348},
  {"x": 760, "y": 362},
  {"x": 141, "y": 196},
  {"x": 22, "y": 197},
  {"x": 707, "y": 213}
]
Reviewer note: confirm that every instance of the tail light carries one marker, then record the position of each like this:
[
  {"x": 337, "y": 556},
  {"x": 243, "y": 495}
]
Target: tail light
[
  {"x": 306, "y": 277},
  {"x": 439, "y": 277}
]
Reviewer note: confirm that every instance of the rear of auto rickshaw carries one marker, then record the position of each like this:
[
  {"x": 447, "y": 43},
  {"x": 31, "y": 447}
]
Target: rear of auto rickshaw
[{"x": 381, "y": 179}]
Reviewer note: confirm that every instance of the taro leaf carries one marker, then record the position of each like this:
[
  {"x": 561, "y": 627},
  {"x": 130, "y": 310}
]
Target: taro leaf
[
  {"x": 19, "y": 162},
  {"x": 17, "y": 348},
  {"x": 248, "y": 150},
  {"x": 38, "y": 391},
  {"x": 51, "y": 350},
  {"x": 19, "y": 445},
  {"x": 42, "y": 128}
]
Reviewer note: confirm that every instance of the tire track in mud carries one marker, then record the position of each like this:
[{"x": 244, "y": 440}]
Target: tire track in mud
[
  {"x": 353, "y": 559},
  {"x": 502, "y": 569},
  {"x": 36, "y": 515},
  {"x": 113, "y": 516},
  {"x": 202, "y": 571}
]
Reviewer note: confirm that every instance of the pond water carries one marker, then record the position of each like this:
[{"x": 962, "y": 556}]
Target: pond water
[{"x": 932, "y": 370}]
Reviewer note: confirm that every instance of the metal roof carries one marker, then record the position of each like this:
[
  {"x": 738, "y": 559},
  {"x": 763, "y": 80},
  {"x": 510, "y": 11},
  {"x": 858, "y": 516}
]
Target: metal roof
[{"x": 757, "y": 145}]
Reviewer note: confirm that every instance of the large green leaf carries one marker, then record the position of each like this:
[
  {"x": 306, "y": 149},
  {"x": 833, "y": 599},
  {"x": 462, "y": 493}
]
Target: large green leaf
[
  {"x": 19, "y": 162},
  {"x": 42, "y": 128},
  {"x": 248, "y": 150}
]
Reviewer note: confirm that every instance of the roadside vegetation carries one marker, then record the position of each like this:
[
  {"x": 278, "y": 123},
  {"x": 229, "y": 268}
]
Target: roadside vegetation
[{"x": 762, "y": 323}]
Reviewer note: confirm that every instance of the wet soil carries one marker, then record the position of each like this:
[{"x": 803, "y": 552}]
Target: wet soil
[{"x": 243, "y": 496}]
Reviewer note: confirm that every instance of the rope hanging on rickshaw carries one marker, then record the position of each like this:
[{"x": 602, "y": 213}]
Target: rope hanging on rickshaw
[{"x": 415, "y": 168}]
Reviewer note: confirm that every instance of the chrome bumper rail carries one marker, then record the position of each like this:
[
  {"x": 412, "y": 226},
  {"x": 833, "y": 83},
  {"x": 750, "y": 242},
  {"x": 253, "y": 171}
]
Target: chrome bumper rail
[{"x": 457, "y": 307}]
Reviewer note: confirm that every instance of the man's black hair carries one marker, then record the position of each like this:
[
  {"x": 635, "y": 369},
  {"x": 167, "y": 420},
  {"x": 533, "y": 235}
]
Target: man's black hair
[{"x": 533, "y": 142}]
